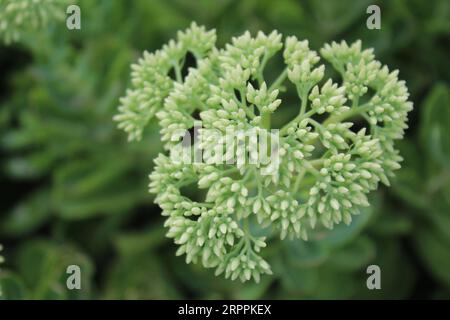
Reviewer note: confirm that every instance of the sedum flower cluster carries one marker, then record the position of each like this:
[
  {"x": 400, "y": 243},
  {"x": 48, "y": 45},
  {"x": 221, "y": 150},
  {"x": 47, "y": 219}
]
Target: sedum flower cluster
[
  {"x": 326, "y": 168},
  {"x": 19, "y": 16}
]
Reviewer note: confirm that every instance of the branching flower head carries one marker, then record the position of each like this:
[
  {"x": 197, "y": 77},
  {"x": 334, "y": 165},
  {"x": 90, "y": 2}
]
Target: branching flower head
[
  {"x": 324, "y": 170},
  {"x": 20, "y": 16}
]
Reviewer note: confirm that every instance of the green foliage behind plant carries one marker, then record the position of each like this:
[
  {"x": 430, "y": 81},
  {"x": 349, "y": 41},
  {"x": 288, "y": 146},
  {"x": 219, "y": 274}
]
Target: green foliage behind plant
[{"x": 74, "y": 191}]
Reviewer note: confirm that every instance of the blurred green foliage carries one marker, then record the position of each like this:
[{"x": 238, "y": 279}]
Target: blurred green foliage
[{"x": 75, "y": 192}]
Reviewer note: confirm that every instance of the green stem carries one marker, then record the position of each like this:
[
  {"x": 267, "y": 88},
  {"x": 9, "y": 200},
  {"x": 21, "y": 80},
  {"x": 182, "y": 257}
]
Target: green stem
[
  {"x": 265, "y": 120},
  {"x": 299, "y": 179},
  {"x": 350, "y": 113},
  {"x": 312, "y": 170},
  {"x": 303, "y": 106},
  {"x": 277, "y": 83},
  {"x": 206, "y": 204},
  {"x": 355, "y": 102},
  {"x": 177, "y": 69},
  {"x": 302, "y": 113},
  {"x": 316, "y": 124},
  {"x": 260, "y": 76},
  {"x": 317, "y": 162}
]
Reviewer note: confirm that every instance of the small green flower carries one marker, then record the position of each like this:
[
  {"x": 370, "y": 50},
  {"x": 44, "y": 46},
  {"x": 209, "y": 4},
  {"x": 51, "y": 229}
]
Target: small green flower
[{"x": 325, "y": 168}]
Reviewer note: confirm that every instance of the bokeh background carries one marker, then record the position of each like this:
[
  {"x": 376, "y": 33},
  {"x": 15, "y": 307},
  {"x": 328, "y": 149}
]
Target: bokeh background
[{"x": 73, "y": 191}]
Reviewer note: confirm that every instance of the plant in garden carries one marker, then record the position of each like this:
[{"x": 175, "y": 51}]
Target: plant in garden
[
  {"x": 18, "y": 17},
  {"x": 326, "y": 167}
]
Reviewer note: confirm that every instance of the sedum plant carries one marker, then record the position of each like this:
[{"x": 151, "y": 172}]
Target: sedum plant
[
  {"x": 18, "y": 17},
  {"x": 325, "y": 169}
]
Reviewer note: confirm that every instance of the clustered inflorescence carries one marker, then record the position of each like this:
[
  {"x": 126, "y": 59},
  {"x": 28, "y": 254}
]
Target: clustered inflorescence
[
  {"x": 20, "y": 16},
  {"x": 326, "y": 167}
]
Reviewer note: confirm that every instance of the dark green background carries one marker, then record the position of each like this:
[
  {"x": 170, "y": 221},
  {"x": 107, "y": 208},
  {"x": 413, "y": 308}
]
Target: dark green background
[{"x": 75, "y": 192}]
